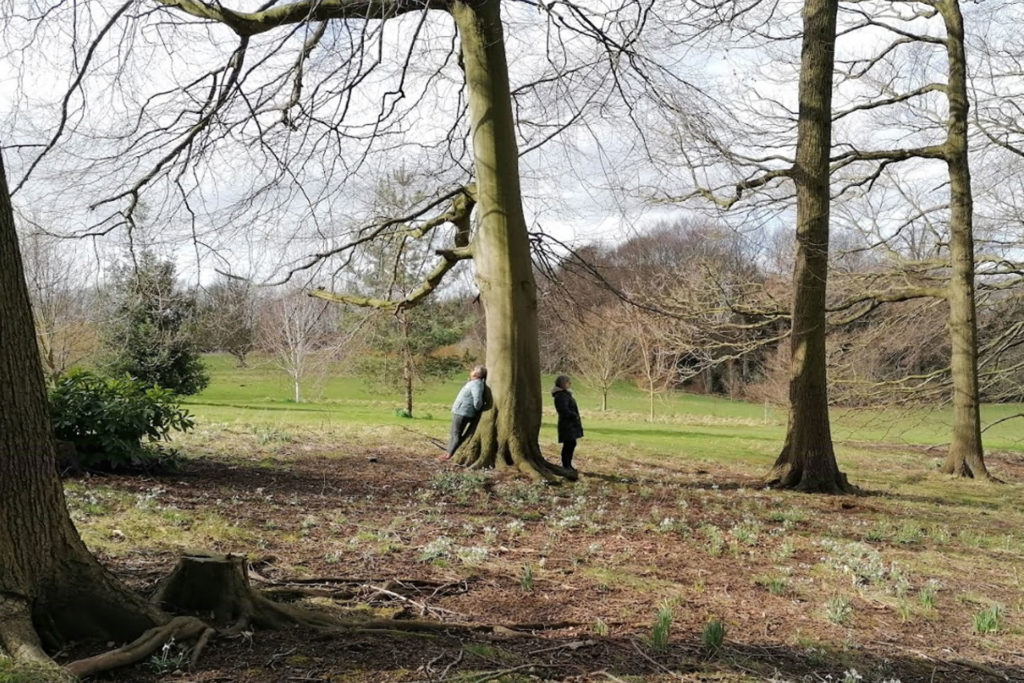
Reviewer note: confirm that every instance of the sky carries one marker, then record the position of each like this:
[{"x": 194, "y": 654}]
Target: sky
[{"x": 271, "y": 181}]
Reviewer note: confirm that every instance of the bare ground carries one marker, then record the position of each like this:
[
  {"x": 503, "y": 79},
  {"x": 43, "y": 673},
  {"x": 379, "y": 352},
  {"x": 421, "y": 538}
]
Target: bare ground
[{"x": 808, "y": 587}]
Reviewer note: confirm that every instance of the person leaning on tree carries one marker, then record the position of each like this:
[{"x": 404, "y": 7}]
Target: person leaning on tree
[
  {"x": 469, "y": 403},
  {"x": 570, "y": 426}
]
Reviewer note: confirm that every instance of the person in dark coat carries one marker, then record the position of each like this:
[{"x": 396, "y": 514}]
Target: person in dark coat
[
  {"x": 570, "y": 426},
  {"x": 466, "y": 410}
]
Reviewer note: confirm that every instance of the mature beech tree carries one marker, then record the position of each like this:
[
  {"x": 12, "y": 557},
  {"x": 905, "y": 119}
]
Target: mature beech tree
[
  {"x": 951, "y": 279},
  {"x": 499, "y": 245}
]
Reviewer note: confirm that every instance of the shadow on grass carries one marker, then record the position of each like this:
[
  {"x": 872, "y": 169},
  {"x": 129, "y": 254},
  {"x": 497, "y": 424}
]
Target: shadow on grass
[
  {"x": 680, "y": 432},
  {"x": 361, "y": 655},
  {"x": 287, "y": 408}
]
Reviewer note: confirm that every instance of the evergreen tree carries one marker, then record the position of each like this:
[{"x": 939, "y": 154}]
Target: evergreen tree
[{"x": 152, "y": 334}]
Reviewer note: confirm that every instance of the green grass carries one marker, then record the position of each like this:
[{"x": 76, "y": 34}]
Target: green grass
[{"x": 685, "y": 424}]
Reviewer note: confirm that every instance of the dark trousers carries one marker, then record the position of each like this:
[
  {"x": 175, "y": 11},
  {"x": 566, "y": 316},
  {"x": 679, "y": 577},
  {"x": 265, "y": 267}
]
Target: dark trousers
[
  {"x": 567, "y": 450},
  {"x": 462, "y": 428}
]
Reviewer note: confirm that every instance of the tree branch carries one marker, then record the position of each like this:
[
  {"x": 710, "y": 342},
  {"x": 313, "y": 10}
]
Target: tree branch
[{"x": 253, "y": 23}]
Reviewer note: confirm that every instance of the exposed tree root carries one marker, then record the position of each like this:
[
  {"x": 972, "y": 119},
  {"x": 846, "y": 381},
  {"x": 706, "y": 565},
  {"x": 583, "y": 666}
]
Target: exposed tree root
[
  {"x": 216, "y": 588},
  {"x": 181, "y": 629},
  {"x": 18, "y": 637},
  {"x": 485, "y": 450},
  {"x": 789, "y": 476}
]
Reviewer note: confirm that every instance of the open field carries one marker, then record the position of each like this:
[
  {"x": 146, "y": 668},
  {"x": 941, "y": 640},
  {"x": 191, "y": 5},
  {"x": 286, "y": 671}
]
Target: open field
[{"x": 614, "y": 577}]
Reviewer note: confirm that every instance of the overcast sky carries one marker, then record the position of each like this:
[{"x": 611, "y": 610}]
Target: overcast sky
[{"x": 602, "y": 149}]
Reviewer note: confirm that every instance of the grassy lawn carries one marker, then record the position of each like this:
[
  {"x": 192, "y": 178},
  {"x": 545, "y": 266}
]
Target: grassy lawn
[
  {"x": 666, "y": 561},
  {"x": 686, "y": 425}
]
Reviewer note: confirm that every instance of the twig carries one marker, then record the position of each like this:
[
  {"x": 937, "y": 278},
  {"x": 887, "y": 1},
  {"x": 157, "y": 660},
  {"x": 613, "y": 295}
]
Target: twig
[
  {"x": 433, "y": 441},
  {"x": 453, "y": 663},
  {"x": 607, "y": 675},
  {"x": 491, "y": 675},
  {"x": 423, "y": 608},
  {"x": 984, "y": 668},
  {"x": 654, "y": 662},
  {"x": 574, "y": 645}
]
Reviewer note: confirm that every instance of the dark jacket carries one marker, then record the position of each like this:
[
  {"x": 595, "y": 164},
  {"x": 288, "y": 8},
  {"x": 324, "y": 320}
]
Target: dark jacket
[{"x": 570, "y": 426}]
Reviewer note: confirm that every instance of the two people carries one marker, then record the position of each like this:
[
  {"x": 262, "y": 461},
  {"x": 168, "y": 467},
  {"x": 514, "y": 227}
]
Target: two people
[{"x": 473, "y": 399}]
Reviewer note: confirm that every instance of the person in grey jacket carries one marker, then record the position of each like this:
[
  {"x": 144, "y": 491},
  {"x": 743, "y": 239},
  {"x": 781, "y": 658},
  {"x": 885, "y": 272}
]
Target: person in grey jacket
[
  {"x": 570, "y": 425},
  {"x": 466, "y": 410}
]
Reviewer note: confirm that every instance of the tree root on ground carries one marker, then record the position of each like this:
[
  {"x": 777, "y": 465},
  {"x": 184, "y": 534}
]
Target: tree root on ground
[
  {"x": 217, "y": 586},
  {"x": 180, "y": 629}
]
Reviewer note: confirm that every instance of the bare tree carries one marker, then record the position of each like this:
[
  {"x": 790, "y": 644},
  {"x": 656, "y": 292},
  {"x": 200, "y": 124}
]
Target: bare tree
[
  {"x": 303, "y": 335},
  {"x": 906, "y": 24},
  {"x": 602, "y": 351},
  {"x": 313, "y": 95},
  {"x": 65, "y": 308},
  {"x": 228, "y": 317},
  {"x": 50, "y": 584}
]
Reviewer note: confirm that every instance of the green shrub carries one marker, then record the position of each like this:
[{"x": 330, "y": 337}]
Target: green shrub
[
  {"x": 151, "y": 335},
  {"x": 108, "y": 419}
]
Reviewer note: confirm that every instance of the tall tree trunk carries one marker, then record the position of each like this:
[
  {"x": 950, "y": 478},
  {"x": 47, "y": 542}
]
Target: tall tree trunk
[
  {"x": 509, "y": 433},
  {"x": 50, "y": 585},
  {"x": 807, "y": 461},
  {"x": 966, "y": 455}
]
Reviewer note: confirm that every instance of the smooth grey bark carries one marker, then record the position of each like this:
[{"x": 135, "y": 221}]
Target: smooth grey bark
[
  {"x": 509, "y": 433},
  {"x": 966, "y": 454}
]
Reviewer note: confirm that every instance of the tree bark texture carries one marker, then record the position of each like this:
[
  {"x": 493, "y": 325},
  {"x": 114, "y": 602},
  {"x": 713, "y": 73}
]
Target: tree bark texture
[
  {"x": 50, "y": 585},
  {"x": 509, "y": 433},
  {"x": 966, "y": 455},
  {"x": 807, "y": 461}
]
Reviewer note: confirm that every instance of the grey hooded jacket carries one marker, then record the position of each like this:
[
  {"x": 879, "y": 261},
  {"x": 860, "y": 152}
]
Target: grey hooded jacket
[{"x": 470, "y": 401}]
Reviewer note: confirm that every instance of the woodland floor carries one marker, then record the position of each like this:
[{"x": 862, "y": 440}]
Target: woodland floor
[{"x": 873, "y": 587}]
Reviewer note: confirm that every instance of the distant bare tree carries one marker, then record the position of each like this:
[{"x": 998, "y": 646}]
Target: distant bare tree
[
  {"x": 228, "y": 317},
  {"x": 302, "y": 334},
  {"x": 64, "y": 307},
  {"x": 602, "y": 351}
]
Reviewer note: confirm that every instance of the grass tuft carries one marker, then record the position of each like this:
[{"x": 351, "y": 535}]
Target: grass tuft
[
  {"x": 662, "y": 628},
  {"x": 713, "y": 636},
  {"x": 988, "y": 620}
]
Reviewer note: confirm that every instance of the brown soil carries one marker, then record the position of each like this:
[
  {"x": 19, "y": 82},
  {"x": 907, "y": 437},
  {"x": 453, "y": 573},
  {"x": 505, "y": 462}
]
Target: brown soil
[{"x": 349, "y": 520}]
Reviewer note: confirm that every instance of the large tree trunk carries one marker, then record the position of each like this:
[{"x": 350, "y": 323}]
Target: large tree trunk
[
  {"x": 966, "y": 455},
  {"x": 509, "y": 433},
  {"x": 807, "y": 461},
  {"x": 51, "y": 588}
]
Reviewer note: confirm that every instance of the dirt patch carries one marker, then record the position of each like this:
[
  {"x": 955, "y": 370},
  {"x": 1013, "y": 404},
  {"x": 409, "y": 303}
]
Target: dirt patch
[{"x": 575, "y": 576}]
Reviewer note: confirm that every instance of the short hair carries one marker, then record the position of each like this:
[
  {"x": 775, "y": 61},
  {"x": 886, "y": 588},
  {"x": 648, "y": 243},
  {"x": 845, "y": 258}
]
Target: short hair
[
  {"x": 479, "y": 371},
  {"x": 561, "y": 381}
]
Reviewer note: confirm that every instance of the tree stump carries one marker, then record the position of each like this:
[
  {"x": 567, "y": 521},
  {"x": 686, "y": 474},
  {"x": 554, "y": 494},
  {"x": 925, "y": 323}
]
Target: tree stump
[
  {"x": 210, "y": 585},
  {"x": 216, "y": 588}
]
